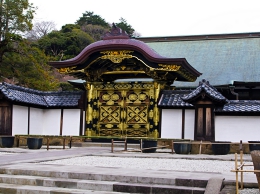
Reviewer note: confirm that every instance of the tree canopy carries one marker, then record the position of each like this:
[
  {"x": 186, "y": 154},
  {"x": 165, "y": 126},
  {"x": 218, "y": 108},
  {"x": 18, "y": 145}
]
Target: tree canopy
[
  {"x": 28, "y": 67},
  {"x": 125, "y": 26},
  {"x": 15, "y": 18},
  {"x": 26, "y": 49},
  {"x": 66, "y": 43},
  {"x": 90, "y": 18}
]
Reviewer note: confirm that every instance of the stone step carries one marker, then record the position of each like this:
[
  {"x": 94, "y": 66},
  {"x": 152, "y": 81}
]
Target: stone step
[
  {"x": 186, "y": 182},
  {"x": 89, "y": 176},
  {"x": 29, "y": 189},
  {"x": 32, "y": 184},
  {"x": 108, "y": 177},
  {"x": 57, "y": 182},
  {"x": 154, "y": 189}
]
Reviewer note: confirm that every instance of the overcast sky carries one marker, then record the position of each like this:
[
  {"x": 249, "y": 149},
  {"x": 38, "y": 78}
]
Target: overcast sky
[{"x": 160, "y": 17}]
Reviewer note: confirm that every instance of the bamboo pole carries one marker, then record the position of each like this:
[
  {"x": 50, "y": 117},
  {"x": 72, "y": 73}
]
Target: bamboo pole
[
  {"x": 241, "y": 163},
  {"x": 236, "y": 173}
]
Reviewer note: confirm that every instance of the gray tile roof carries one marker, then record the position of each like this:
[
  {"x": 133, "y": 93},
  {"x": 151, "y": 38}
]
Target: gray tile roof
[
  {"x": 240, "y": 106},
  {"x": 39, "y": 98},
  {"x": 181, "y": 99},
  {"x": 220, "y": 61},
  {"x": 173, "y": 98},
  {"x": 210, "y": 92}
]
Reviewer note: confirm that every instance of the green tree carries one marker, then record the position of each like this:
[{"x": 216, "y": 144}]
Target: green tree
[
  {"x": 95, "y": 31},
  {"x": 66, "y": 43},
  {"x": 15, "y": 18},
  {"x": 125, "y": 26},
  {"x": 90, "y": 18},
  {"x": 28, "y": 67}
]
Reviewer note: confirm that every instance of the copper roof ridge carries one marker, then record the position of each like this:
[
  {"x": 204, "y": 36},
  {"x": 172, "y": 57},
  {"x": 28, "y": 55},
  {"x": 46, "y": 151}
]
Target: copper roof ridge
[{"x": 200, "y": 37}]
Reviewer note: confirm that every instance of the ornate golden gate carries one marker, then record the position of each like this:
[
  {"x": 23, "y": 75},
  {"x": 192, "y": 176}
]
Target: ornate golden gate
[{"x": 123, "y": 109}]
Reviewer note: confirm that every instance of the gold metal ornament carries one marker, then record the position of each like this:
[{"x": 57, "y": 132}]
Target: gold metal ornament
[
  {"x": 67, "y": 70},
  {"x": 116, "y": 56},
  {"x": 167, "y": 67}
]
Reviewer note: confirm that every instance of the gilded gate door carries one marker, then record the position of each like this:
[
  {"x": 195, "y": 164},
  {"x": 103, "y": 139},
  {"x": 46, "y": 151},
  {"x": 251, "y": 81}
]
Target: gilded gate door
[{"x": 123, "y": 110}]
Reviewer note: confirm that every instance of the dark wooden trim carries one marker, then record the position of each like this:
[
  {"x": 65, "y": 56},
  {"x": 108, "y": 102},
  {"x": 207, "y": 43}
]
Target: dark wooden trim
[
  {"x": 61, "y": 121},
  {"x": 204, "y": 122},
  {"x": 160, "y": 123},
  {"x": 212, "y": 124},
  {"x": 204, "y": 108},
  {"x": 81, "y": 122},
  {"x": 29, "y": 117},
  {"x": 11, "y": 119},
  {"x": 183, "y": 124}
]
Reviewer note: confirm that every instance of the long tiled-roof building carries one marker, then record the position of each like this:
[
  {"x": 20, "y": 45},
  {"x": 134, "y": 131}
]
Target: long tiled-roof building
[{"x": 203, "y": 87}]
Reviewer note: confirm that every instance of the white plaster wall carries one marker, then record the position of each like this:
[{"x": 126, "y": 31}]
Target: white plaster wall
[
  {"x": 20, "y": 120},
  {"x": 51, "y": 122},
  {"x": 189, "y": 124},
  {"x": 36, "y": 121},
  {"x": 71, "y": 122},
  {"x": 236, "y": 128},
  {"x": 171, "y": 125}
]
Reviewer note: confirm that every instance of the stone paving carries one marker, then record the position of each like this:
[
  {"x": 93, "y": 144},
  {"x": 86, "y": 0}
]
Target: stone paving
[{"x": 30, "y": 159}]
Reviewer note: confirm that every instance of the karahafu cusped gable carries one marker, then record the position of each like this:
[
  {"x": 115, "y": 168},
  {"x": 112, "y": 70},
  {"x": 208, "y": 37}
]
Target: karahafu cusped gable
[{"x": 124, "y": 108}]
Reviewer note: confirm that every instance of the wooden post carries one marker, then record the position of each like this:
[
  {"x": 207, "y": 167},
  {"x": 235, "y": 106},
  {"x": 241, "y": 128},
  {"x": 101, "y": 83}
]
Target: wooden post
[
  {"x": 70, "y": 141},
  {"x": 200, "y": 147},
  {"x": 141, "y": 145},
  {"x": 47, "y": 143},
  {"x": 112, "y": 145},
  {"x": 172, "y": 146},
  {"x": 125, "y": 144},
  {"x": 64, "y": 142},
  {"x": 17, "y": 141},
  {"x": 241, "y": 162}
]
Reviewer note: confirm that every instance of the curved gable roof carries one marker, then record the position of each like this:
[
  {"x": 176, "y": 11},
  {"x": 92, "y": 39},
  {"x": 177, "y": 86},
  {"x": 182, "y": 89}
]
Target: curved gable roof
[
  {"x": 118, "y": 41},
  {"x": 205, "y": 88}
]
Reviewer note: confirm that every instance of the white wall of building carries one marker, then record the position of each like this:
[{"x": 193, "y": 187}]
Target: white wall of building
[
  {"x": 189, "y": 124},
  {"x": 36, "y": 121},
  {"x": 71, "y": 122},
  {"x": 236, "y": 128},
  {"x": 171, "y": 123},
  {"x": 20, "y": 120},
  {"x": 45, "y": 121},
  {"x": 51, "y": 124}
]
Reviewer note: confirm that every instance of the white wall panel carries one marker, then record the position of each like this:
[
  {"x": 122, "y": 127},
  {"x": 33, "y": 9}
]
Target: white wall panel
[
  {"x": 236, "y": 128},
  {"x": 51, "y": 125},
  {"x": 189, "y": 124},
  {"x": 20, "y": 120},
  {"x": 171, "y": 125},
  {"x": 36, "y": 121},
  {"x": 71, "y": 122}
]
